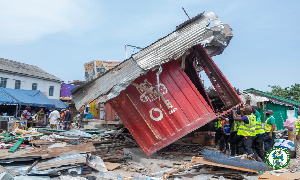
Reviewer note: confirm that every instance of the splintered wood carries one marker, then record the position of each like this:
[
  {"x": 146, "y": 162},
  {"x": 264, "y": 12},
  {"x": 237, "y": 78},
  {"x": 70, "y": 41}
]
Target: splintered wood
[{"x": 58, "y": 151}]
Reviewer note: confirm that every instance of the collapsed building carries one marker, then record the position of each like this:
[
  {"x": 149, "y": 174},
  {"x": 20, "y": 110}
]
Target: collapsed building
[{"x": 158, "y": 93}]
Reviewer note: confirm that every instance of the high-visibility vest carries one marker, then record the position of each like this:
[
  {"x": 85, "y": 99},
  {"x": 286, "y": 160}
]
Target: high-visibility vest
[
  {"x": 248, "y": 129},
  {"x": 259, "y": 129},
  {"x": 236, "y": 125},
  {"x": 218, "y": 124},
  {"x": 297, "y": 126},
  {"x": 268, "y": 127}
]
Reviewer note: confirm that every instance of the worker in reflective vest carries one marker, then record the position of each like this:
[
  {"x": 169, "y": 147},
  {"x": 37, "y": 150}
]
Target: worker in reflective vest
[
  {"x": 218, "y": 128},
  {"x": 270, "y": 129},
  {"x": 246, "y": 131},
  {"x": 233, "y": 134},
  {"x": 297, "y": 140},
  {"x": 258, "y": 142}
]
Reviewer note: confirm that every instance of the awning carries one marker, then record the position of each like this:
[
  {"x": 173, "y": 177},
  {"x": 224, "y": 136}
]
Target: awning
[
  {"x": 28, "y": 97},
  {"x": 4, "y": 100},
  {"x": 58, "y": 104}
]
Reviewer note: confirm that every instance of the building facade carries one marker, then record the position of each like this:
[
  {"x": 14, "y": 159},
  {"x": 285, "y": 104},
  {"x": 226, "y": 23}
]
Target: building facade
[{"x": 16, "y": 75}]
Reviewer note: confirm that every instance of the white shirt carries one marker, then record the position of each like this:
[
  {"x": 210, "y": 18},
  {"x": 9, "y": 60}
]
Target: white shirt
[{"x": 54, "y": 116}]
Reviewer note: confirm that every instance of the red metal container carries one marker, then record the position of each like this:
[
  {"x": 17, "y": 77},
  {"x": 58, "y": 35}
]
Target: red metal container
[
  {"x": 156, "y": 121},
  {"x": 147, "y": 116}
]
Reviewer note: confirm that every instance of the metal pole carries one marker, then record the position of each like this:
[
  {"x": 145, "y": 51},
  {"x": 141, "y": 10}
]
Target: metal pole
[{"x": 186, "y": 13}]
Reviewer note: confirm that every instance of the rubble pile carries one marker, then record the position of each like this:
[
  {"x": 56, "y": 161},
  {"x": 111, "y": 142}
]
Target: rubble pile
[{"x": 78, "y": 154}]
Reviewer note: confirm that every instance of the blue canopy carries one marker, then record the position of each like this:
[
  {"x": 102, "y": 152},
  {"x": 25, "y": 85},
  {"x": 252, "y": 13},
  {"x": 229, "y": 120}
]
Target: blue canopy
[
  {"x": 28, "y": 97},
  {"x": 5, "y": 100},
  {"x": 59, "y": 104}
]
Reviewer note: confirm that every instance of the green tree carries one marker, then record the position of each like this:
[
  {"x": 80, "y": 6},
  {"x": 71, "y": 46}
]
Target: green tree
[{"x": 291, "y": 93}]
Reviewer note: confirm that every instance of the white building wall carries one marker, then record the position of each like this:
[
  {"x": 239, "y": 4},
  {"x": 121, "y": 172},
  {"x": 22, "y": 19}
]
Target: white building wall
[{"x": 26, "y": 83}]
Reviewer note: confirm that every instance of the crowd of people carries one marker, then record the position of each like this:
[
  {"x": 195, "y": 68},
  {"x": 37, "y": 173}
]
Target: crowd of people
[
  {"x": 41, "y": 118},
  {"x": 246, "y": 135}
]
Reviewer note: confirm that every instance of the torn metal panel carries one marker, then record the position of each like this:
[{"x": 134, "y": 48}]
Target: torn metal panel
[
  {"x": 114, "y": 81},
  {"x": 177, "y": 43},
  {"x": 174, "y": 45}
]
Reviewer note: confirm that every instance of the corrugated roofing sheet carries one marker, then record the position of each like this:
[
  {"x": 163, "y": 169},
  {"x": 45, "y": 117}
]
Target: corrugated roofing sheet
[
  {"x": 261, "y": 93},
  {"x": 23, "y": 69},
  {"x": 174, "y": 45}
]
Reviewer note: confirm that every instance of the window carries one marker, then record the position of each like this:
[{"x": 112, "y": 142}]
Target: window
[
  {"x": 34, "y": 86},
  {"x": 3, "y": 82},
  {"x": 51, "y": 90},
  {"x": 17, "y": 84}
]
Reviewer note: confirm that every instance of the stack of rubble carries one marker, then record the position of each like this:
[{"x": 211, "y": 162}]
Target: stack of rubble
[
  {"x": 76, "y": 154},
  {"x": 49, "y": 152}
]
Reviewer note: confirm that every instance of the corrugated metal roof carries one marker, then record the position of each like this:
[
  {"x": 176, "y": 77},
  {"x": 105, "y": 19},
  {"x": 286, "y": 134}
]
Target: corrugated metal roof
[
  {"x": 272, "y": 97},
  {"x": 172, "y": 46},
  {"x": 22, "y": 69}
]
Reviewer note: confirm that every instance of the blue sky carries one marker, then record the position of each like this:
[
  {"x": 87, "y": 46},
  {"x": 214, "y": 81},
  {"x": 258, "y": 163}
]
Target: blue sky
[{"x": 61, "y": 35}]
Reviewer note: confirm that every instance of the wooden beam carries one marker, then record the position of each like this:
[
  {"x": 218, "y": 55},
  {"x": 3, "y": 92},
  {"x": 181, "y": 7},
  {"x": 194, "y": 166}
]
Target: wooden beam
[{"x": 29, "y": 169}]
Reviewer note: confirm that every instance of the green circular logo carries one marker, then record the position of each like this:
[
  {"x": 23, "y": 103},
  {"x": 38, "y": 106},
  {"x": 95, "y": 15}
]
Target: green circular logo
[{"x": 278, "y": 157}]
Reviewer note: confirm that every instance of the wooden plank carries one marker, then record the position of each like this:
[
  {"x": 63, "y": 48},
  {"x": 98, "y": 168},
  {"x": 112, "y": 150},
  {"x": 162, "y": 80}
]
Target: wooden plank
[
  {"x": 29, "y": 169},
  {"x": 56, "y": 164},
  {"x": 58, "y": 151},
  {"x": 210, "y": 163}
]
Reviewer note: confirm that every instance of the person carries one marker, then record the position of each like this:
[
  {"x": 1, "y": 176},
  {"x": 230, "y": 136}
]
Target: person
[
  {"x": 258, "y": 142},
  {"x": 218, "y": 129},
  {"x": 62, "y": 115},
  {"x": 26, "y": 116},
  {"x": 67, "y": 119},
  {"x": 47, "y": 114},
  {"x": 297, "y": 140},
  {"x": 270, "y": 129},
  {"x": 246, "y": 132},
  {"x": 54, "y": 119},
  {"x": 224, "y": 145},
  {"x": 40, "y": 116}
]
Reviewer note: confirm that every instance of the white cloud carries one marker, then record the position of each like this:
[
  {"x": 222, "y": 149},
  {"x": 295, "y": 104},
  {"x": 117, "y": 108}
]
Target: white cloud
[{"x": 29, "y": 20}]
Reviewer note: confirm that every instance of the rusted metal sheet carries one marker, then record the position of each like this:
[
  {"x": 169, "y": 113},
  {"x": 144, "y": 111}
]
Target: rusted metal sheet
[{"x": 158, "y": 121}]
